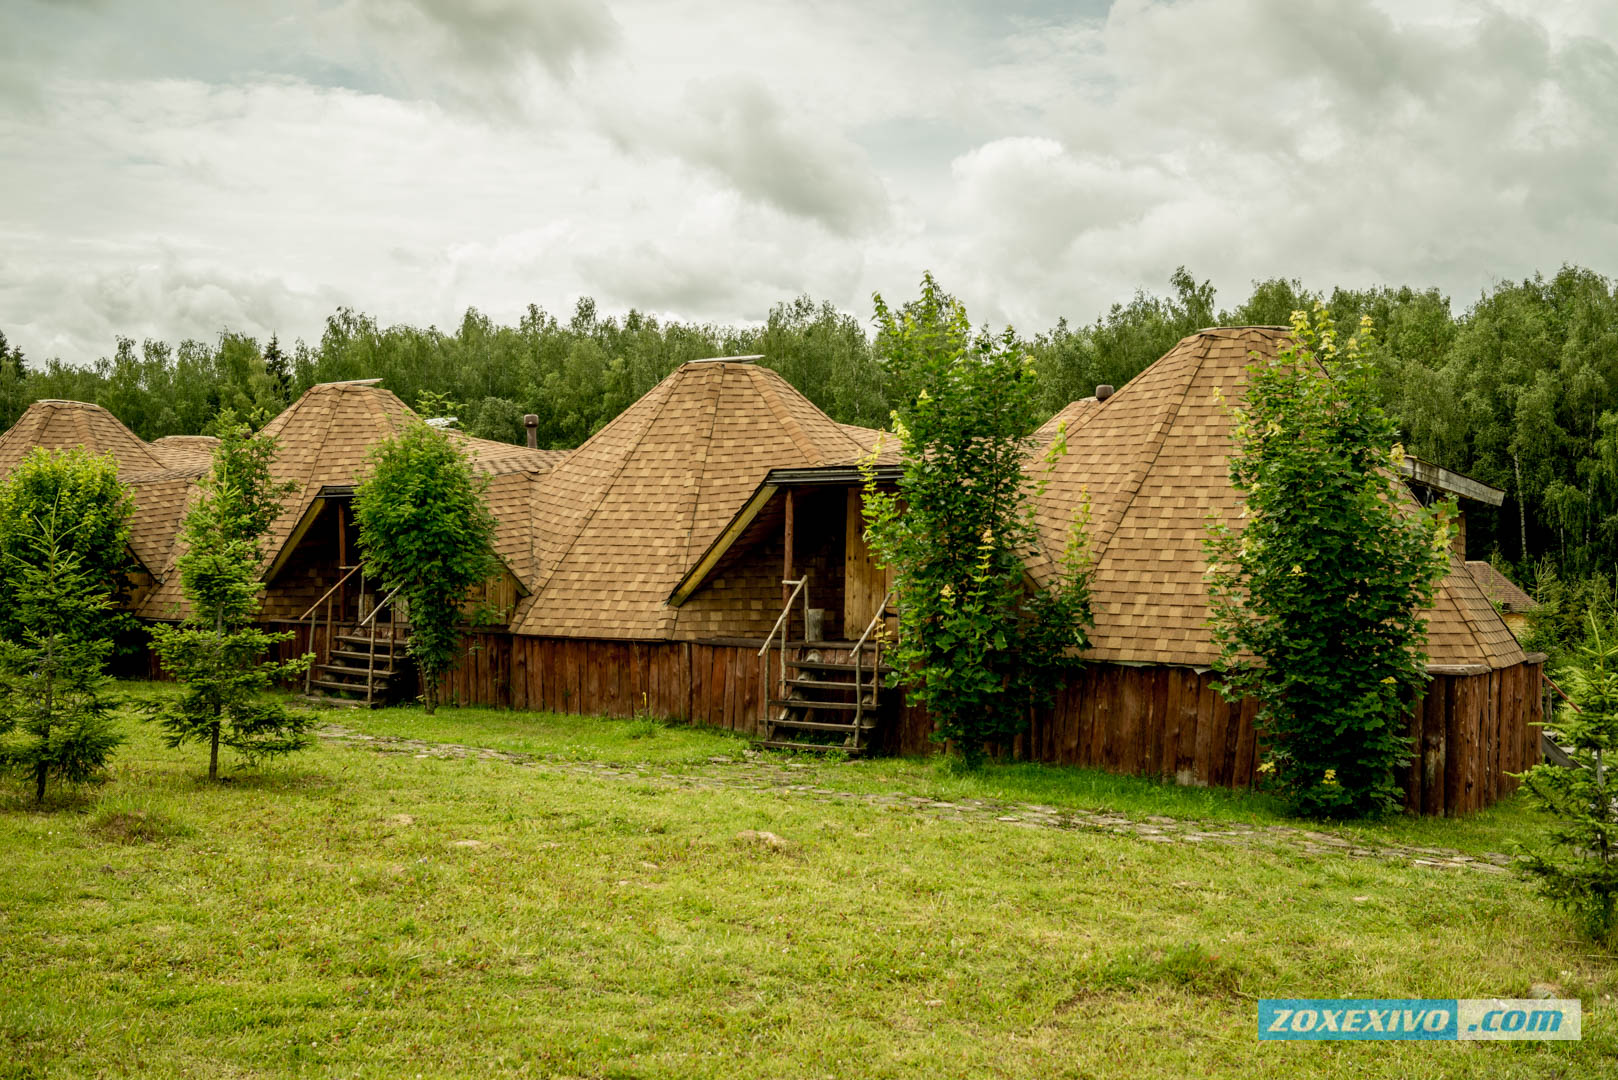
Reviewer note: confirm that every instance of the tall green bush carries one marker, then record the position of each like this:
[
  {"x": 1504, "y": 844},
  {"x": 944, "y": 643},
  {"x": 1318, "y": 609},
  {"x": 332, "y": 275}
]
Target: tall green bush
[
  {"x": 979, "y": 646},
  {"x": 79, "y": 489},
  {"x": 55, "y": 717},
  {"x": 1317, "y": 600},
  {"x": 217, "y": 653},
  {"x": 1578, "y": 870},
  {"x": 426, "y": 531}
]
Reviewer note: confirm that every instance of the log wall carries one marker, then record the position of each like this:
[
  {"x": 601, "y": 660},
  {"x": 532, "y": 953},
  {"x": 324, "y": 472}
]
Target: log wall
[{"x": 1470, "y": 731}]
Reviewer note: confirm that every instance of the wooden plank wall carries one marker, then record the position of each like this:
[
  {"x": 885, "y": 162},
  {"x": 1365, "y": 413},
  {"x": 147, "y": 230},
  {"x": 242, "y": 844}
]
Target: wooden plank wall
[
  {"x": 1470, "y": 731},
  {"x": 718, "y": 685}
]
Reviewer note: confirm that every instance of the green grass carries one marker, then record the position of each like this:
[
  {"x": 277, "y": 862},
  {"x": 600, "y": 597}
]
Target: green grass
[
  {"x": 328, "y": 916},
  {"x": 1498, "y": 828}
]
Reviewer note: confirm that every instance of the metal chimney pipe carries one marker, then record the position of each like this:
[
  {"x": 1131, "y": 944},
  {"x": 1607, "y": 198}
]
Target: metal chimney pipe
[
  {"x": 1104, "y": 391},
  {"x": 531, "y": 423}
]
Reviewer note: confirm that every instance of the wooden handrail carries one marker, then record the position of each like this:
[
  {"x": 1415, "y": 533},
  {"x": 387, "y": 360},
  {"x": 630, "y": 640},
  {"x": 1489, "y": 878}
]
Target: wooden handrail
[
  {"x": 340, "y": 582},
  {"x": 876, "y": 665},
  {"x": 780, "y": 627},
  {"x": 786, "y": 610},
  {"x": 377, "y": 610},
  {"x": 1563, "y": 693}
]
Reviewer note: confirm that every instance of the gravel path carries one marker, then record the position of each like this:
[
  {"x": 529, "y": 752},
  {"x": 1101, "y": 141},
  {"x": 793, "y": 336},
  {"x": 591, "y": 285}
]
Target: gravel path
[{"x": 762, "y": 772}]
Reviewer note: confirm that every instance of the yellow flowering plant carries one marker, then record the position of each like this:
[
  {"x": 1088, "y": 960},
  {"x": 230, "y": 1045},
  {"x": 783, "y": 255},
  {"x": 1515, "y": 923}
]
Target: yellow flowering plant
[{"x": 1317, "y": 591}]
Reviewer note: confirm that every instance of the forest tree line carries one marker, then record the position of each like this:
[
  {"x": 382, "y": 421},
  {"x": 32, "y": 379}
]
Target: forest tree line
[{"x": 1519, "y": 390}]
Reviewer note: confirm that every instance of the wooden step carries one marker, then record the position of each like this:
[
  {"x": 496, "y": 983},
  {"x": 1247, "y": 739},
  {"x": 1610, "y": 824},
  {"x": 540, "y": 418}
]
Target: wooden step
[
  {"x": 382, "y": 643},
  {"x": 836, "y": 665},
  {"x": 379, "y": 671},
  {"x": 846, "y": 686},
  {"x": 822, "y": 725},
  {"x": 330, "y": 684},
  {"x": 360, "y": 654},
  {"x": 802, "y": 703},
  {"x": 338, "y": 702},
  {"x": 789, "y": 744}
]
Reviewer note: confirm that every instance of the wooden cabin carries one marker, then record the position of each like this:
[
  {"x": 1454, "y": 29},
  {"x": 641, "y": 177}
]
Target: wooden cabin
[{"x": 646, "y": 570}]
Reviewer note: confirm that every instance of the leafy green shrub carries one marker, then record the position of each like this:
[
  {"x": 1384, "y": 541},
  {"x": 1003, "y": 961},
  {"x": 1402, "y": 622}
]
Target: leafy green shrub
[
  {"x": 1317, "y": 602},
  {"x": 76, "y": 488},
  {"x": 1579, "y": 870},
  {"x": 426, "y": 531},
  {"x": 978, "y": 647}
]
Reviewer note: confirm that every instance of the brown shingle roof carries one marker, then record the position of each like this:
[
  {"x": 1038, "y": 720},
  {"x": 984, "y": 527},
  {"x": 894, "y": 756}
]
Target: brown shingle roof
[
  {"x": 1499, "y": 589},
  {"x": 1153, "y": 458},
  {"x": 325, "y": 437},
  {"x": 186, "y": 451},
  {"x": 624, "y": 515},
  {"x": 158, "y": 486},
  {"x": 59, "y": 425}
]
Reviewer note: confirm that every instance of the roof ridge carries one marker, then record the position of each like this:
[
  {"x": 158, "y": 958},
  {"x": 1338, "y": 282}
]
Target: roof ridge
[
  {"x": 612, "y": 481},
  {"x": 702, "y": 467},
  {"x": 794, "y": 429},
  {"x": 1143, "y": 469}
]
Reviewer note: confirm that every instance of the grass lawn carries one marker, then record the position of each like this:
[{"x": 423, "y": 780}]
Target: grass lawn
[{"x": 355, "y": 913}]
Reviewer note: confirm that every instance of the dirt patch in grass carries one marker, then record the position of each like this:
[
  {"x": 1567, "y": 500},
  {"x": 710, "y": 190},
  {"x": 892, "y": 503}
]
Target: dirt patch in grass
[{"x": 137, "y": 827}]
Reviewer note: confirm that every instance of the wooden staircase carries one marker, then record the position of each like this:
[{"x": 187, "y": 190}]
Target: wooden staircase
[
  {"x": 828, "y": 697},
  {"x": 362, "y": 659},
  {"x": 358, "y": 670}
]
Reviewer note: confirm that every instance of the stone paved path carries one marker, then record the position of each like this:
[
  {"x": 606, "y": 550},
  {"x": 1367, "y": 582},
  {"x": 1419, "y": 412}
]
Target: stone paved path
[{"x": 763, "y": 772}]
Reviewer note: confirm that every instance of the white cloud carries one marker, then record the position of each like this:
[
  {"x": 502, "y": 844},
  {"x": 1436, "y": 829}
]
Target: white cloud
[{"x": 226, "y": 163}]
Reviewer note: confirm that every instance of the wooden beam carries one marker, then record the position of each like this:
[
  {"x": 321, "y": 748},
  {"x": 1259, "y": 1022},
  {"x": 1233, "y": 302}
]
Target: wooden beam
[
  {"x": 716, "y": 550},
  {"x": 786, "y": 567},
  {"x": 1451, "y": 482},
  {"x": 292, "y": 541}
]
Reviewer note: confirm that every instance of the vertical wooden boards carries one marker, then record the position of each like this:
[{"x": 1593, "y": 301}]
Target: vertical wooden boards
[
  {"x": 1470, "y": 733},
  {"x": 1130, "y": 717},
  {"x": 1247, "y": 746}
]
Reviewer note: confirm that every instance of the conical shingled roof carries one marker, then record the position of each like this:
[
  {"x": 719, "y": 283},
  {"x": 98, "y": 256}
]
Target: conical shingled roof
[
  {"x": 624, "y": 515},
  {"x": 1154, "y": 459},
  {"x": 59, "y": 425},
  {"x": 157, "y": 482},
  {"x": 325, "y": 437}
]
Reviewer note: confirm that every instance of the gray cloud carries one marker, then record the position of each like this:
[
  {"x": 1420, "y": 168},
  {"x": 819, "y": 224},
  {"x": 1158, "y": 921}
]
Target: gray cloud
[
  {"x": 233, "y": 163},
  {"x": 736, "y": 129},
  {"x": 483, "y": 48}
]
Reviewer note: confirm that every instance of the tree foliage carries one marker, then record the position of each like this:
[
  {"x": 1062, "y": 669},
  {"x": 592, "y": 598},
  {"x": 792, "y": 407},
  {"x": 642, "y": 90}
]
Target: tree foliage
[
  {"x": 79, "y": 488},
  {"x": 1519, "y": 389},
  {"x": 978, "y": 647},
  {"x": 55, "y": 718},
  {"x": 426, "y": 531},
  {"x": 1579, "y": 868},
  {"x": 217, "y": 653},
  {"x": 1317, "y": 600}
]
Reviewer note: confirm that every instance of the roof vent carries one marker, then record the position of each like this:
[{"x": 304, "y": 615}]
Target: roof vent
[
  {"x": 729, "y": 359},
  {"x": 1104, "y": 391}
]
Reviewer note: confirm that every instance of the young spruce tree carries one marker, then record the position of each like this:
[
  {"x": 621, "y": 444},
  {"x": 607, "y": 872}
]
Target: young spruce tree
[
  {"x": 1579, "y": 870},
  {"x": 54, "y": 716},
  {"x": 426, "y": 532},
  {"x": 1317, "y": 600},
  {"x": 979, "y": 646},
  {"x": 217, "y": 654}
]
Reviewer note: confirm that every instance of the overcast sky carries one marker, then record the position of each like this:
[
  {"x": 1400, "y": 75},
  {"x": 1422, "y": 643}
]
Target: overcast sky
[{"x": 173, "y": 169}]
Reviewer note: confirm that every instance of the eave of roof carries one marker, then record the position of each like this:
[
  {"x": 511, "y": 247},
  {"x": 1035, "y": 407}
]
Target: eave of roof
[
  {"x": 774, "y": 480},
  {"x": 1451, "y": 482}
]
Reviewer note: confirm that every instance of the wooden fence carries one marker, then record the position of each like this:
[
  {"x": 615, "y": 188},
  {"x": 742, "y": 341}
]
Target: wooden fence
[{"x": 1471, "y": 730}]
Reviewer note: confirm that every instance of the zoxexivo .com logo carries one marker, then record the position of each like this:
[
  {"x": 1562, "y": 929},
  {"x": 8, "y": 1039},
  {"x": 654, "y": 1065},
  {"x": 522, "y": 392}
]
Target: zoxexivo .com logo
[{"x": 1417, "y": 1018}]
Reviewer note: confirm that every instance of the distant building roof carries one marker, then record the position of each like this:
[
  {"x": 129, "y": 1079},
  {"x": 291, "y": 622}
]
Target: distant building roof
[{"x": 1499, "y": 588}]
